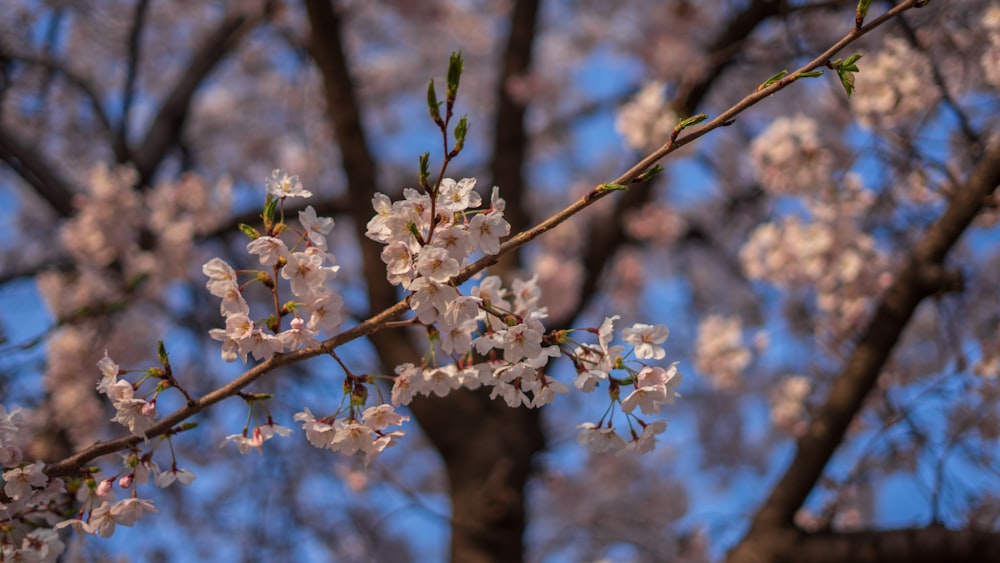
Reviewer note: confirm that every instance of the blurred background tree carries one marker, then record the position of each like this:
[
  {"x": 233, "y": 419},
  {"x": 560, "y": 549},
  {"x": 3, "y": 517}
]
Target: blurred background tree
[{"x": 828, "y": 266}]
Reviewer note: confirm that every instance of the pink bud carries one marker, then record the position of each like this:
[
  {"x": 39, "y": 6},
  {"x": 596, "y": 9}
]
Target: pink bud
[
  {"x": 126, "y": 481},
  {"x": 105, "y": 487}
]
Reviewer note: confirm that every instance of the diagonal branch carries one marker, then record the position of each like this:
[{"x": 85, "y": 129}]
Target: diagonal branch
[
  {"x": 37, "y": 171},
  {"x": 922, "y": 276},
  {"x": 131, "y": 74},
  {"x": 165, "y": 130},
  {"x": 76, "y": 80}
]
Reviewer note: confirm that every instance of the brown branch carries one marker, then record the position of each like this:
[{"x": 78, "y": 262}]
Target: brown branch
[
  {"x": 132, "y": 72},
  {"x": 165, "y": 130},
  {"x": 922, "y": 275},
  {"x": 37, "y": 171},
  {"x": 78, "y": 81}
]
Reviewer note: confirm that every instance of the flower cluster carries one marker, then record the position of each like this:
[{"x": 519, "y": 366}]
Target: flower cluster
[
  {"x": 647, "y": 119},
  {"x": 99, "y": 513},
  {"x": 788, "y": 410},
  {"x": 790, "y": 158},
  {"x": 306, "y": 265},
  {"x": 719, "y": 351},
  {"x": 365, "y": 434},
  {"x": 652, "y": 386},
  {"x": 26, "y": 506},
  {"x": 496, "y": 335},
  {"x": 895, "y": 87}
]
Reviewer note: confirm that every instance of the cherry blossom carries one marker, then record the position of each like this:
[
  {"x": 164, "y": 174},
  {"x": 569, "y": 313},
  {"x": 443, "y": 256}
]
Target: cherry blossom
[
  {"x": 646, "y": 338},
  {"x": 280, "y": 184}
]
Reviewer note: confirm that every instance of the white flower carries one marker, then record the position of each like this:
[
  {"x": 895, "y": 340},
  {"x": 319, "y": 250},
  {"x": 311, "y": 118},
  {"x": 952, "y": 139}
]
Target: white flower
[
  {"x": 522, "y": 341},
  {"x": 353, "y": 437},
  {"x": 166, "y": 478},
  {"x": 382, "y": 416},
  {"x": 441, "y": 380},
  {"x": 20, "y": 480},
  {"x": 458, "y": 196},
  {"x": 109, "y": 372},
  {"x": 269, "y": 249},
  {"x": 645, "y": 339},
  {"x": 485, "y": 231},
  {"x": 126, "y": 512},
  {"x": 430, "y": 298},
  {"x": 261, "y": 344},
  {"x": 305, "y": 273},
  {"x": 648, "y": 399},
  {"x": 378, "y": 226},
  {"x": 599, "y": 438},
  {"x": 220, "y": 276},
  {"x": 316, "y": 227},
  {"x": 606, "y": 333},
  {"x": 298, "y": 336},
  {"x": 455, "y": 240},
  {"x": 239, "y": 327},
  {"x": 647, "y": 441},
  {"x": 320, "y": 434},
  {"x": 280, "y": 184},
  {"x": 436, "y": 264},
  {"x": 135, "y": 414},
  {"x": 407, "y": 384},
  {"x": 324, "y": 313}
]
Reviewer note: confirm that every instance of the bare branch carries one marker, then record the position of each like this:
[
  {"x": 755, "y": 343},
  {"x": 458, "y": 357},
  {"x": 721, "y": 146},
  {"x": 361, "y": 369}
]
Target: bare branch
[
  {"x": 79, "y": 82},
  {"x": 165, "y": 130},
  {"x": 37, "y": 171},
  {"x": 128, "y": 89}
]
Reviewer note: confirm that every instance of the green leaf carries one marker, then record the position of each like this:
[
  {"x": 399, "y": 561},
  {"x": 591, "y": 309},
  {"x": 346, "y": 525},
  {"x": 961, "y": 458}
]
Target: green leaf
[
  {"x": 433, "y": 105},
  {"x": 425, "y": 171},
  {"x": 772, "y": 80},
  {"x": 647, "y": 175},
  {"x": 161, "y": 353},
  {"x": 693, "y": 120},
  {"x": 846, "y": 70},
  {"x": 812, "y": 74},
  {"x": 455, "y": 67},
  {"x": 862, "y": 12},
  {"x": 270, "y": 205},
  {"x": 611, "y": 188},
  {"x": 460, "y": 130},
  {"x": 249, "y": 231}
]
